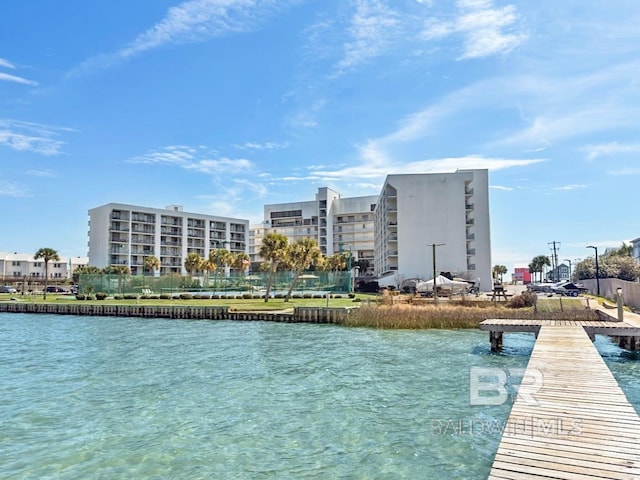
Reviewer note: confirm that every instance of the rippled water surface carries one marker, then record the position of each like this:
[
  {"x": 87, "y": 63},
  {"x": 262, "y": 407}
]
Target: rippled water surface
[{"x": 92, "y": 397}]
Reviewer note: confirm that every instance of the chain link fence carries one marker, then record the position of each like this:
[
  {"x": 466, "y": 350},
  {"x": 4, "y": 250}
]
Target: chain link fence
[{"x": 308, "y": 282}]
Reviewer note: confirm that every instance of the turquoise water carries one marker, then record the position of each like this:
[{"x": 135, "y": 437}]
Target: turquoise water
[{"x": 92, "y": 397}]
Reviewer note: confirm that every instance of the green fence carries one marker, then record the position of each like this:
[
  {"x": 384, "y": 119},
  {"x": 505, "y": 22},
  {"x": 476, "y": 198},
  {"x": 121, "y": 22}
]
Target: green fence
[{"x": 308, "y": 282}]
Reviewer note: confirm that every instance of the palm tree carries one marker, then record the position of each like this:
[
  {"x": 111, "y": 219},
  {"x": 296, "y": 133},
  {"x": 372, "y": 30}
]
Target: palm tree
[
  {"x": 273, "y": 250},
  {"x": 47, "y": 255},
  {"x": 499, "y": 271},
  {"x": 241, "y": 261},
  {"x": 208, "y": 266},
  {"x": 192, "y": 263},
  {"x": 538, "y": 263},
  {"x": 152, "y": 263},
  {"x": 302, "y": 253}
]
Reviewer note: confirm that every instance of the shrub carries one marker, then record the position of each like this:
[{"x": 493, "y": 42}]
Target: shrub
[
  {"x": 215, "y": 296},
  {"x": 352, "y": 295},
  {"x": 336, "y": 296},
  {"x": 91, "y": 297},
  {"x": 101, "y": 295},
  {"x": 186, "y": 296},
  {"x": 247, "y": 296},
  {"x": 117, "y": 297},
  {"x": 81, "y": 296},
  {"x": 525, "y": 299},
  {"x": 278, "y": 295},
  {"x": 130, "y": 296},
  {"x": 201, "y": 296},
  {"x": 307, "y": 295},
  {"x": 165, "y": 296}
]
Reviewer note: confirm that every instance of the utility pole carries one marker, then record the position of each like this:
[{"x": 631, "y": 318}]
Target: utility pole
[
  {"x": 554, "y": 259},
  {"x": 435, "y": 290}
]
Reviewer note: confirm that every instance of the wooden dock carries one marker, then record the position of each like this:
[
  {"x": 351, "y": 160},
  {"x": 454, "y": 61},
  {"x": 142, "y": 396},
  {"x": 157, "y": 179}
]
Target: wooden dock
[{"x": 573, "y": 421}]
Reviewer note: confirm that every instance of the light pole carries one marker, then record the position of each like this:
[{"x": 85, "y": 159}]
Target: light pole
[
  {"x": 597, "y": 273},
  {"x": 435, "y": 290},
  {"x": 567, "y": 260}
]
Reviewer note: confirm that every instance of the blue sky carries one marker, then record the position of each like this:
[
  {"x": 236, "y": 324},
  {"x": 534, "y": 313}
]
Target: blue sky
[{"x": 223, "y": 106}]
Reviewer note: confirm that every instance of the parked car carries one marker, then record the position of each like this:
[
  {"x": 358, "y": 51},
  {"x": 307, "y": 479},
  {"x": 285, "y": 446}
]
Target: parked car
[
  {"x": 7, "y": 289},
  {"x": 56, "y": 289}
]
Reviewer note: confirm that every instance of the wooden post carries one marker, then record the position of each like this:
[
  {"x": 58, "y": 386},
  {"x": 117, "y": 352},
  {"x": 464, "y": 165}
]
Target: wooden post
[{"x": 496, "y": 341}]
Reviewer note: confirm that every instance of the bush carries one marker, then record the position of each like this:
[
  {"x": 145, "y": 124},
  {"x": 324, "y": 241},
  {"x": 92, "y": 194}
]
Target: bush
[
  {"x": 130, "y": 296},
  {"x": 165, "y": 296},
  {"x": 117, "y": 297},
  {"x": 247, "y": 296},
  {"x": 215, "y": 296},
  {"x": 201, "y": 296},
  {"x": 307, "y": 295},
  {"x": 101, "y": 295},
  {"x": 352, "y": 295},
  {"x": 186, "y": 296},
  {"x": 524, "y": 300},
  {"x": 81, "y": 296},
  {"x": 91, "y": 297}
]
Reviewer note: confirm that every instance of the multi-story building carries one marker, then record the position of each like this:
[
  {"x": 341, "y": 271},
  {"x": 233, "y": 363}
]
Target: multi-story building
[
  {"x": 446, "y": 213},
  {"x": 15, "y": 266},
  {"x": 122, "y": 234},
  {"x": 635, "y": 249},
  {"x": 521, "y": 275},
  {"x": 338, "y": 224}
]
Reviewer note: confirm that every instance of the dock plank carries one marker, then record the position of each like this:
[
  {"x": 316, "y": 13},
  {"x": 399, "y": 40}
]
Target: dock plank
[{"x": 577, "y": 424}]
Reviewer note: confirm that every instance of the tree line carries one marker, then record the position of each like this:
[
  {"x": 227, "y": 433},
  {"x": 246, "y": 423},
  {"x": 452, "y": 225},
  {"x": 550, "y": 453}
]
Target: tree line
[
  {"x": 276, "y": 250},
  {"x": 613, "y": 263}
]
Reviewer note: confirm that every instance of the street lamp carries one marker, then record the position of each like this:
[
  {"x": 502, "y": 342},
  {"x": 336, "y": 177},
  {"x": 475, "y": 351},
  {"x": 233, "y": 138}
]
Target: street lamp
[
  {"x": 435, "y": 290},
  {"x": 597, "y": 273},
  {"x": 567, "y": 260}
]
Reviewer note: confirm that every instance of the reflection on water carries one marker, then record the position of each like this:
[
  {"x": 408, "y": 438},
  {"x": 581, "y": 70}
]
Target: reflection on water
[{"x": 114, "y": 397}]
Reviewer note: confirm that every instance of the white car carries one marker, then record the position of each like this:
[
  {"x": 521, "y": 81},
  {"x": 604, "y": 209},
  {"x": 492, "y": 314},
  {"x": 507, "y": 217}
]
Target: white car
[{"x": 7, "y": 289}]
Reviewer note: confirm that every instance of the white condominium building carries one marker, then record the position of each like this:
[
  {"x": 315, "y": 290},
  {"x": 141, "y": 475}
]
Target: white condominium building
[
  {"x": 414, "y": 212},
  {"x": 125, "y": 234},
  {"x": 338, "y": 224}
]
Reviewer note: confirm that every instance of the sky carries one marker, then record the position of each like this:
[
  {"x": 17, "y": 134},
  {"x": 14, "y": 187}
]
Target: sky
[{"x": 223, "y": 106}]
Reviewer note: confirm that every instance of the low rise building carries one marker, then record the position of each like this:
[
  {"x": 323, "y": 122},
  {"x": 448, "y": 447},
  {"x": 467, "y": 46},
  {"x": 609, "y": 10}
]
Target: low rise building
[{"x": 17, "y": 266}]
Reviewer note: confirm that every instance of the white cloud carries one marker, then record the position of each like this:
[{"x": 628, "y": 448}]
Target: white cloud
[
  {"x": 262, "y": 146},
  {"x": 31, "y": 137},
  {"x": 8, "y": 189},
  {"x": 192, "y": 21},
  {"x": 571, "y": 187},
  {"x": 368, "y": 171},
  {"x": 485, "y": 30},
  {"x": 369, "y": 31},
  {"x": 500, "y": 187},
  {"x": 189, "y": 158},
  {"x": 612, "y": 148},
  {"x": 41, "y": 173},
  {"x": 6, "y": 64},
  {"x": 5, "y": 77}
]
